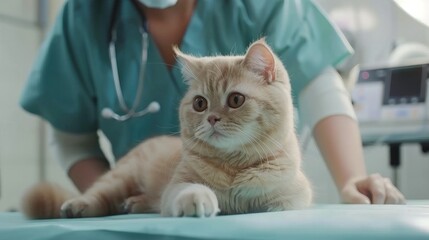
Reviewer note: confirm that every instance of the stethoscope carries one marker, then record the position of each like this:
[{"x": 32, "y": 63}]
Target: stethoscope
[{"x": 130, "y": 112}]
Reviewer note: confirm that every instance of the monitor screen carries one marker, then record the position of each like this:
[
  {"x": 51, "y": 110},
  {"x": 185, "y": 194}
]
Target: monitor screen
[{"x": 406, "y": 82}]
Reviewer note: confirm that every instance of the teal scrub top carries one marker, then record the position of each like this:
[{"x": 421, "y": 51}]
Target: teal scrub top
[{"x": 71, "y": 81}]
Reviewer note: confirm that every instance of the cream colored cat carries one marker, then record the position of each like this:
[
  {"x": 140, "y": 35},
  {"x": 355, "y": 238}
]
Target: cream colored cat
[{"x": 238, "y": 151}]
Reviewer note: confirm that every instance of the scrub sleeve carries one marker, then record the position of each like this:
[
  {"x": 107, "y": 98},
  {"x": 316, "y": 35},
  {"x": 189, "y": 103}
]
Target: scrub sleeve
[{"x": 58, "y": 89}]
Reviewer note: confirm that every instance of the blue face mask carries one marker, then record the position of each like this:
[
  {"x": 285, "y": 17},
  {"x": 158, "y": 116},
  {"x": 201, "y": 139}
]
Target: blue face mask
[{"x": 158, "y": 3}]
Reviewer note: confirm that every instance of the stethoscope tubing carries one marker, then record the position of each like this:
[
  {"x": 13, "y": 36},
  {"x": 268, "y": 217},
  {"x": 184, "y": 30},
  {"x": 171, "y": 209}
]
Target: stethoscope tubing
[
  {"x": 116, "y": 80},
  {"x": 130, "y": 112}
]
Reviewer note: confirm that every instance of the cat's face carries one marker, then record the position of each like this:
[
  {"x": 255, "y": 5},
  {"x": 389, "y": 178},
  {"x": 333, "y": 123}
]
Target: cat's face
[{"x": 234, "y": 101}]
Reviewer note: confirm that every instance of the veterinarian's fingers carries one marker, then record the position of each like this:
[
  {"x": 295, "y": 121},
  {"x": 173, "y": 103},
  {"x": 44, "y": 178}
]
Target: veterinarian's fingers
[
  {"x": 376, "y": 187},
  {"x": 373, "y": 187},
  {"x": 393, "y": 195},
  {"x": 353, "y": 196}
]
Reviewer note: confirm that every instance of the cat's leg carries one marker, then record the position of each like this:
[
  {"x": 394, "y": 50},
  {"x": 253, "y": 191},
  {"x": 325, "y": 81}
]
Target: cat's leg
[
  {"x": 189, "y": 200},
  {"x": 148, "y": 168},
  {"x": 105, "y": 197},
  {"x": 288, "y": 204},
  {"x": 297, "y": 195}
]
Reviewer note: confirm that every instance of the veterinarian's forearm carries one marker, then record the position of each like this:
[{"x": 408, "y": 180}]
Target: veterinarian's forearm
[
  {"x": 84, "y": 173},
  {"x": 339, "y": 142}
]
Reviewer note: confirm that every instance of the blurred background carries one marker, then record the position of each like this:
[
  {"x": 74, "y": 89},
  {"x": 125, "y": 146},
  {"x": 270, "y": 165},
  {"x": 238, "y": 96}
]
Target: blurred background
[{"x": 386, "y": 35}]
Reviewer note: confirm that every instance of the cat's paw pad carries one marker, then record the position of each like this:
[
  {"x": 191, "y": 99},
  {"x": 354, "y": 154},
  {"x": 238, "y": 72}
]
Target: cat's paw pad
[
  {"x": 74, "y": 208},
  {"x": 196, "y": 201}
]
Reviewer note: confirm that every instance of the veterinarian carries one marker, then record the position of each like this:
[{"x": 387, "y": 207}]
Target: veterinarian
[{"x": 109, "y": 66}]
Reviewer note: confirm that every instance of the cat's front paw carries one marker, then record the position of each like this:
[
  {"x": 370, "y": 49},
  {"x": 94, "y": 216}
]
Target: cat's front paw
[
  {"x": 135, "y": 204},
  {"x": 195, "y": 201},
  {"x": 77, "y": 207}
]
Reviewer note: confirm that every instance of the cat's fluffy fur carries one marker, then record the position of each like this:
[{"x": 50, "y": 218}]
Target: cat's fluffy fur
[{"x": 237, "y": 158}]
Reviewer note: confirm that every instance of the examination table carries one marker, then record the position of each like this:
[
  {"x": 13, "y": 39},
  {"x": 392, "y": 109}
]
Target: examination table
[{"x": 335, "y": 221}]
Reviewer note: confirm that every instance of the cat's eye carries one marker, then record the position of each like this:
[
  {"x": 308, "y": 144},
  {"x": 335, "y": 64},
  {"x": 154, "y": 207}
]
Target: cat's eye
[
  {"x": 235, "y": 100},
  {"x": 200, "y": 104}
]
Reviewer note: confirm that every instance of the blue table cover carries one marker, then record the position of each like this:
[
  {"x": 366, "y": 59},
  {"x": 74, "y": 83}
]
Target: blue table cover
[{"x": 319, "y": 222}]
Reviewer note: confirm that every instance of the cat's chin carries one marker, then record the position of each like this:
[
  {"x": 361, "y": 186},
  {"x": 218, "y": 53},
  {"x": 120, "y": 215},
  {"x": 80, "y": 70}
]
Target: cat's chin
[
  {"x": 227, "y": 142},
  {"x": 216, "y": 136},
  {"x": 215, "y": 139},
  {"x": 222, "y": 142}
]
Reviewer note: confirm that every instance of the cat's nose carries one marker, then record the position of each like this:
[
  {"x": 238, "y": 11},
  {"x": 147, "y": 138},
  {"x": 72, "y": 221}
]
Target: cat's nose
[{"x": 212, "y": 119}]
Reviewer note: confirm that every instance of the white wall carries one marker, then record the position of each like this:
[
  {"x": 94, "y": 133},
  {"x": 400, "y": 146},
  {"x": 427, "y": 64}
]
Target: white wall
[
  {"x": 19, "y": 41},
  {"x": 21, "y": 134}
]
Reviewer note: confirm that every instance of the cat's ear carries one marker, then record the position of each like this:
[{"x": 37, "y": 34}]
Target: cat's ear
[
  {"x": 260, "y": 60},
  {"x": 189, "y": 65}
]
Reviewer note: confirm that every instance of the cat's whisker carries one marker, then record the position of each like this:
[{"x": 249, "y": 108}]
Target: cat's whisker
[
  {"x": 272, "y": 141},
  {"x": 199, "y": 127},
  {"x": 173, "y": 133},
  {"x": 280, "y": 146},
  {"x": 265, "y": 147},
  {"x": 201, "y": 130},
  {"x": 245, "y": 150},
  {"x": 252, "y": 140},
  {"x": 272, "y": 153},
  {"x": 270, "y": 138},
  {"x": 195, "y": 143},
  {"x": 187, "y": 141},
  {"x": 261, "y": 158}
]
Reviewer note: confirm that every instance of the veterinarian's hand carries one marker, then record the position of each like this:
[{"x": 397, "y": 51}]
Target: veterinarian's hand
[{"x": 373, "y": 189}]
